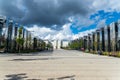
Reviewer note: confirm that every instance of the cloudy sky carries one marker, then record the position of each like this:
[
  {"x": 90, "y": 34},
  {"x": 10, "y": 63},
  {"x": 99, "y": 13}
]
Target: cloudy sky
[{"x": 61, "y": 19}]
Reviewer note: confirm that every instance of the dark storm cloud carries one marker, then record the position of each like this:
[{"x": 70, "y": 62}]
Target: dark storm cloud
[
  {"x": 45, "y": 12},
  {"x": 9, "y": 9}
]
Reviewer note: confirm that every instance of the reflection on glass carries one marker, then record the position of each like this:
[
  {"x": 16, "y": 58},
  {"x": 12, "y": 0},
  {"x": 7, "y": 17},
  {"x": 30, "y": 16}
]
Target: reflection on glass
[
  {"x": 109, "y": 46},
  {"x": 103, "y": 39},
  {"x": 106, "y": 38},
  {"x": 93, "y": 40},
  {"x": 118, "y": 39},
  {"x": 85, "y": 42},
  {"x": 100, "y": 40},
  {"x": 15, "y": 36},
  {"x": 10, "y": 36},
  {"x": 89, "y": 42},
  {"x": 2, "y": 33},
  {"x": 112, "y": 36}
]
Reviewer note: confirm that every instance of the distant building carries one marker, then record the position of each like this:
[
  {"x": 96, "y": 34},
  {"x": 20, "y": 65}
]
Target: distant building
[
  {"x": 57, "y": 44},
  {"x": 64, "y": 43}
]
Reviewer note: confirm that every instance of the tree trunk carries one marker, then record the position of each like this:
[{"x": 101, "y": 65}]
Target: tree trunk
[{"x": 19, "y": 48}]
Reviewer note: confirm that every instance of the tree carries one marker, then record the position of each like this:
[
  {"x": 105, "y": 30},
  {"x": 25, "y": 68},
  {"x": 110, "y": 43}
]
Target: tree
[
  {"x": 95, "y": 45},
  {"x": 43, "y": 45},
  {"x": 20, "y": 39},
  {"x": 29, "y": 41},
  {"x": 76, "y": 44}
]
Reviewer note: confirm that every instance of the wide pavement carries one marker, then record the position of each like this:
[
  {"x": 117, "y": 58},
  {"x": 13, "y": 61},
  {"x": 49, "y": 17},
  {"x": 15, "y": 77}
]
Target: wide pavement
[{"x": 59, "y": 65}]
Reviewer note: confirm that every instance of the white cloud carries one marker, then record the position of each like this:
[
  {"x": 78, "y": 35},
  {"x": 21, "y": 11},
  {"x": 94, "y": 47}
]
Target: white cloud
[
  {"x": 81, "y": 21},
  {"x": 96, "y": 5},
  {"x": 50, "y": 34},
  {"x": 84, "y": 33},
  {"x": 64, "y": 34},
  {"x": 41, "y": 31},
  {"x": 106, "y": 5}
]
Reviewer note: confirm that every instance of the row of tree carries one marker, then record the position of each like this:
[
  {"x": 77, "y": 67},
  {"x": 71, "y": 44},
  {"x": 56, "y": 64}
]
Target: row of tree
[{"x": 76, "y": 44}]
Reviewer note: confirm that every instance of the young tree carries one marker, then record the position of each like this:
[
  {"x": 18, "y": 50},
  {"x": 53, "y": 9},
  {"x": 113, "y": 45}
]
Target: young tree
[{"x": 20, "y": 39}]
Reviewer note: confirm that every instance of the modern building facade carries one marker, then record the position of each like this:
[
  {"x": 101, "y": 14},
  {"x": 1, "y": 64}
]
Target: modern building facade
[
  {"x": 118, "y": 35},
  {"x": 12, "y": 35},
  {"x": 2, "y": 33},
  {"x": 105, "y": 39}
]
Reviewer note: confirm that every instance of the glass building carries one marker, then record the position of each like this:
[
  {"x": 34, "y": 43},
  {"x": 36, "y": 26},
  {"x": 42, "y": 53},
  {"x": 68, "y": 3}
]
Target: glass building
[
  {"x": 109, "y": 46},
  {"x": 98, "y": 39},
  {"x": 113, "y": 36},
  {"x": 25, "y": 39},
  {"x": 85, "y": 42},
  {"x": 93, "y": 41},
  {"x": 35, "y": 43},
  {"x": 118, "y": 36},
  {"x": 29, "y": 40},
  {"x": 2, "y": 33},
  {"x": 9, "y": 36},
  {"x": 26, "y": 42},
  {"x": 23, "y": 36},
  {"x": 89, "y": 42},
  {"x": 15, "y": 36},
  {"x": 102, "y": 39},
  {"x": 106, "y": 38}
]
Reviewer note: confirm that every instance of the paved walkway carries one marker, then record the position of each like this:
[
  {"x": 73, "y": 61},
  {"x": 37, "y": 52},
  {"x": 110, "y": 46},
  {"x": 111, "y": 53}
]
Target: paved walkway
[{"x": 59, "y": 65}]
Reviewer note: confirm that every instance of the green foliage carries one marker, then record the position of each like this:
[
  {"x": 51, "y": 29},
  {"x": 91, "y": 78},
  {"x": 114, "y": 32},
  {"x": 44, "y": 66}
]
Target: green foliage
[
  {"x": 87, "y": 51},
  {"x": 19, "y": 39},
  {"x": 77, "y": 44},
  {"x": 66, "y": 48},
  {"x": 20, "y": 30},
  {"x": 95, "y": 44},
  {"x": 106, "y": 53},
  {"x": 43, "y": 45},
  {"x": 118, "y": 54},
  {"x": 48, "y": 45},
  {"x": 29, "y": 40}
]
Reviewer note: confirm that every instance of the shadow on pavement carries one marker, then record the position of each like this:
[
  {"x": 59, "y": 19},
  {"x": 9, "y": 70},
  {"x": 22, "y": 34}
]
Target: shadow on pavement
[
  {"x": 20, "y": 59},
  {"x": 63, "y": 78},
  {"x": 42, "y": 53},
  {"x": 21, "y": 76}
]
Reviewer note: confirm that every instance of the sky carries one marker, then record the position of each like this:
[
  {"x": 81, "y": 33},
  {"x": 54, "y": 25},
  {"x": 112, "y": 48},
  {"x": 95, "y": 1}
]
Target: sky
[{"x": 61, "y": 19}]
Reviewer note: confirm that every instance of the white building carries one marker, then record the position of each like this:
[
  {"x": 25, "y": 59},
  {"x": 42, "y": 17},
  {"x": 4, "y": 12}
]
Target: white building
[
  {"x": 64, "y": 43},
  {"x": 57, "y": 44}
]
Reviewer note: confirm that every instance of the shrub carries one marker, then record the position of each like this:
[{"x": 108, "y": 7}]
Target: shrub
[
  {"x": 87, "y": 51},
  {"x": 118, "y": 54}
]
